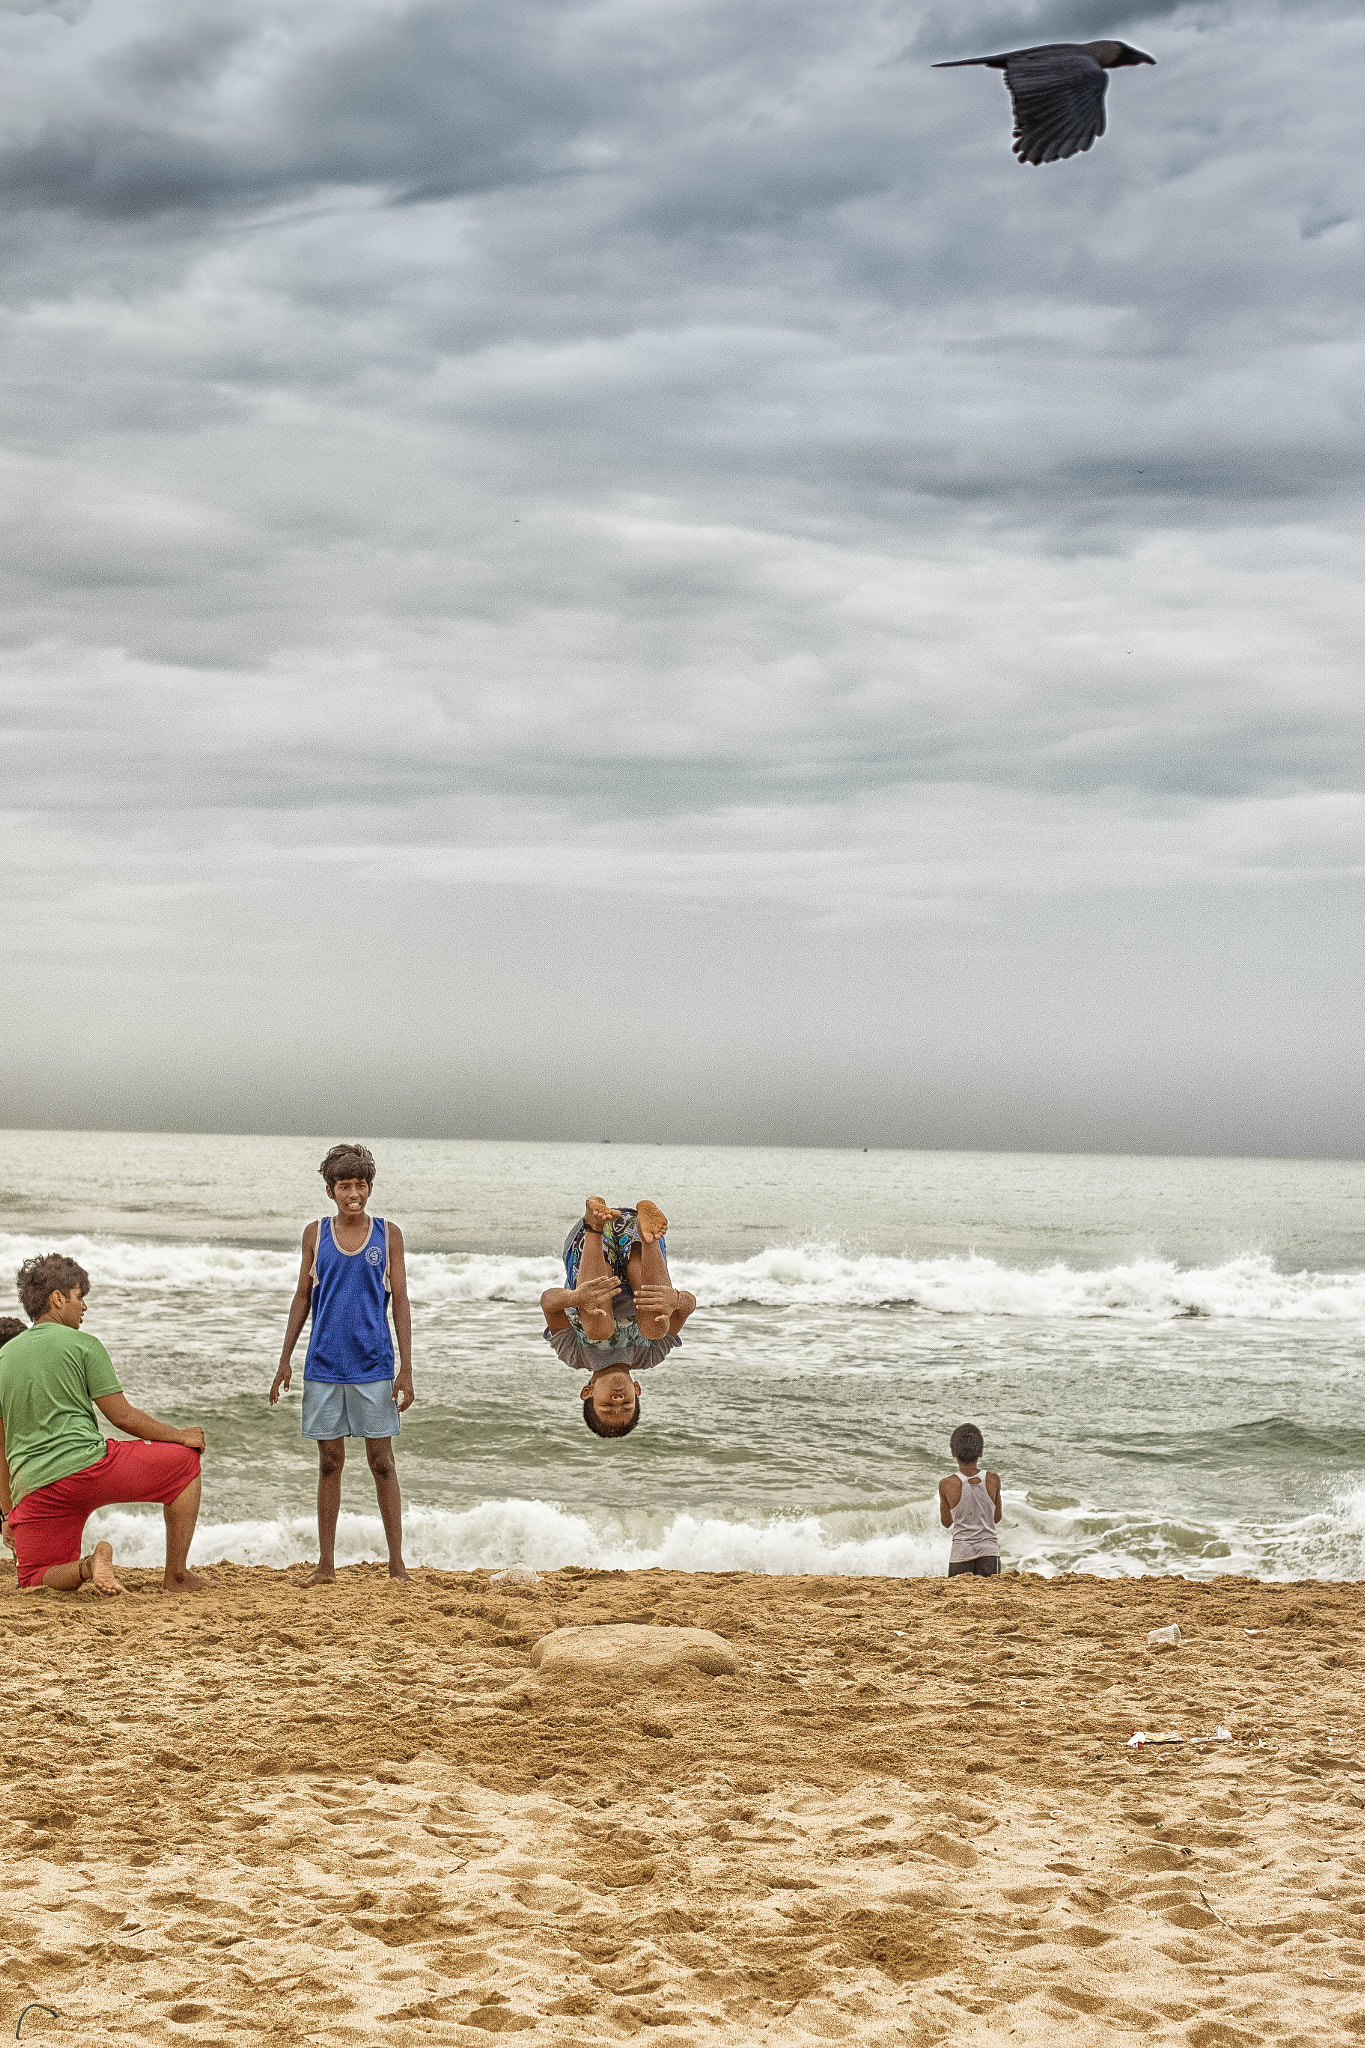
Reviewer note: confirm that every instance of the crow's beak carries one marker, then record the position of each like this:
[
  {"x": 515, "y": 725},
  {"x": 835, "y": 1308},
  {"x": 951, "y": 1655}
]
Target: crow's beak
[{"x": 1143, "y": 58}]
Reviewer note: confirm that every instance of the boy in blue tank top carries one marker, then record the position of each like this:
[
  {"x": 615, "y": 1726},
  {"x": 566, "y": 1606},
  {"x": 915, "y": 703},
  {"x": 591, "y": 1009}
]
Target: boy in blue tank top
[{"x": 352, "y": 1270}]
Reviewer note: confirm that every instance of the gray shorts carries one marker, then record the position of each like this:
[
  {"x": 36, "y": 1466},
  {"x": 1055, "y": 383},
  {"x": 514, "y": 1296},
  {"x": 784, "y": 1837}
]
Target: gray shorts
[{"x": 332, "y": 1409}]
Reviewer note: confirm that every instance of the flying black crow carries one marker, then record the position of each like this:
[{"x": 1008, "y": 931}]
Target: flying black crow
[{"x": 1058, "y": 93}]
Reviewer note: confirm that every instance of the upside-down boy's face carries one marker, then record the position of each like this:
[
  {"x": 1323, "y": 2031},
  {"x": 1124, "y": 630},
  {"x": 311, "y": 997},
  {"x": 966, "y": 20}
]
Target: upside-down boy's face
[
  {"x": 613, "y": 1394},
  {"x": 351, "y": 1196}
]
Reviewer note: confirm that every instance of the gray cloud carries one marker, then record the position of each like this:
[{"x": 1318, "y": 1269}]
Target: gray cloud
[
  {"x": 1030, "y": 22},
  {"x": 64, "y": 10},
  {"x": 453, "y": 450}
]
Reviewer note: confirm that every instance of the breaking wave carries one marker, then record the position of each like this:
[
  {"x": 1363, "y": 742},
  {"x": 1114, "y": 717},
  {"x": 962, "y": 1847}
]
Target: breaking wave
[
  {"x": 1247, "y": 1288},
  {"x": 899, "y": 1541}
]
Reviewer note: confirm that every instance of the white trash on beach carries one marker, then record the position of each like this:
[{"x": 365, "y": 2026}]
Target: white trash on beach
[
  {"x": 516, "y": 1575},
  {"x": 1165, "y": 1638},
  {"x": 1140, "y": 1738}
]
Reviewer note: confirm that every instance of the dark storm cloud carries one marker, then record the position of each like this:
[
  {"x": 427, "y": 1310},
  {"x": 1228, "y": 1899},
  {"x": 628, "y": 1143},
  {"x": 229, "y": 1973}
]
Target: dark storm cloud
[{"x": 443, "y": 102}]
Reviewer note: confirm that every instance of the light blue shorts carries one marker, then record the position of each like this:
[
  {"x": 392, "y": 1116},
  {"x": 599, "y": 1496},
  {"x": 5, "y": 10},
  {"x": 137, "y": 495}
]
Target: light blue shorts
[{"x": 332, "y": 1409}]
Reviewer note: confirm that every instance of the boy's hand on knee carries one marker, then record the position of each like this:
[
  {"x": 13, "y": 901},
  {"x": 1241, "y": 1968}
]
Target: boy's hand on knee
[
  {"x": 592, "y": 1296},
  {"x": 655, "y": 1301}
]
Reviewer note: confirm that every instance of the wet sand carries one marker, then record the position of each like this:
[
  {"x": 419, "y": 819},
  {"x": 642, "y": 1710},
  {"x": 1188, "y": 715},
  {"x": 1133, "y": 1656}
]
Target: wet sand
[{"x": 356, "y": 1815}]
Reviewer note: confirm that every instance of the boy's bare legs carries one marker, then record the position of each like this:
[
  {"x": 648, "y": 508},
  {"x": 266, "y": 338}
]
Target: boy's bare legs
[
  {"x": 181, "y": 1515},
  {"x": 647, "y": 1267},
  {"x": 97, "y": 1570},
  {"x": 596, "y": 1323},
  {"x": 331, "y": 1458},
  {"x": 379, "y": 1451}
]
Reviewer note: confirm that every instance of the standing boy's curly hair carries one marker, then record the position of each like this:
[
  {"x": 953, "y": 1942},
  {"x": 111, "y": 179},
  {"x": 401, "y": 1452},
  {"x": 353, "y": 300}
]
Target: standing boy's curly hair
[
  {"x": 348, "y": 1162},
  {"x": 10, "y": 1326},
  {"x": 40, "y": 1278}
]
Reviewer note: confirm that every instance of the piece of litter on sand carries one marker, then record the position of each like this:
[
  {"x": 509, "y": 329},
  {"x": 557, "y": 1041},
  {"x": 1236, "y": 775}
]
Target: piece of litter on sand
[
  {"x": 898, "y": 1631},
  {"x": 516, "y": 1575},
  {"x": 36, "y": 2007},
  {"x": 1165, "y": 1638},
  {"x": 1251, "y": 1631},
  {"x": 1139, "y": 1737}
]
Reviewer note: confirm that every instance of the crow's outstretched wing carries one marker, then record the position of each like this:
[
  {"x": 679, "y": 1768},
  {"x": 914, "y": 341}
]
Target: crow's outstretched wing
[{"x": 1058, "y": 96}]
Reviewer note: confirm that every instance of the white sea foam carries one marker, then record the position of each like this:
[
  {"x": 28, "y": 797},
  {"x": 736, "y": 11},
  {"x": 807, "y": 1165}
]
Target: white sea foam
[
  {"x": 1247, "y": 1288},
  {"x": 537, "y": 1533},
  {"x": 114, "y": 1262},
  {"x": 897, "y": 1542}
]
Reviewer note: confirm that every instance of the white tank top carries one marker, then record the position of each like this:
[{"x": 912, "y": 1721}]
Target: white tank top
[{"x": 974, "y": 1522}]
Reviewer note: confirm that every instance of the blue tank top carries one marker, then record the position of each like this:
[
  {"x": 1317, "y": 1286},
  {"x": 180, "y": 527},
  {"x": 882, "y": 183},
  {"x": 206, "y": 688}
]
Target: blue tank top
[{"x": 350, "y": 1341}]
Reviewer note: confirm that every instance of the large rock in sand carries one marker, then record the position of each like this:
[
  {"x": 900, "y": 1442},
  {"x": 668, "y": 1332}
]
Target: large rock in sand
[{"x": 617, "y": 1651}]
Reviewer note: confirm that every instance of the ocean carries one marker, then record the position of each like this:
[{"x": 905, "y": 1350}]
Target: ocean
[{"x": 1164, "y": 1354}]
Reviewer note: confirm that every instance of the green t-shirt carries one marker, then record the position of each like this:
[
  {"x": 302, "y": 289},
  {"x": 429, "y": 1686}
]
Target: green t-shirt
[{"x": 50, "y": 1378}]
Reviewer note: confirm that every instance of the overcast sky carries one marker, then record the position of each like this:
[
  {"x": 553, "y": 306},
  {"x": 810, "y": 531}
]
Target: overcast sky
[{"x": 622, "y": 569}]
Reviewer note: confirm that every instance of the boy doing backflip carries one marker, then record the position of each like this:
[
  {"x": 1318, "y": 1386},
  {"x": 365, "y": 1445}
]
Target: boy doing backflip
[
  {"x": 620, "y": 1313},
  {"x": 352, "y": 1269}
]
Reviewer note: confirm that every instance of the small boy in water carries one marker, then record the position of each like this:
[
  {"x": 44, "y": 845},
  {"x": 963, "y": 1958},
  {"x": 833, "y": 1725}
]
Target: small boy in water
[
  {"x": 969, "y": 1505},
  {"x": 352, "y": 1269},
  {"x": 620, "y": 1312}
]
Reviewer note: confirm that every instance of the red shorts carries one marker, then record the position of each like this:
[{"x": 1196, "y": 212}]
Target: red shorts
[{"x": 48, "y": 1524}]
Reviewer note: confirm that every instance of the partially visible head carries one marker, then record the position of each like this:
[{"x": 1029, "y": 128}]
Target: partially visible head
[
  {"x": 349, "y": 1172},
  {"x": 611, "y": 1401},
  {"x": 966, "y": 1443},
  {"x": 1113, "y": 56},
  {"x": 55, "y": 1286},
  {"x": 10, "y": 1326}
]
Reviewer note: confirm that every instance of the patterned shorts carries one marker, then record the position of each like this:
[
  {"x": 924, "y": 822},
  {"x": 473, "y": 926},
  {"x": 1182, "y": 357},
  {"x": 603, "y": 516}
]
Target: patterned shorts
[{"x": 617, "y": 1240}]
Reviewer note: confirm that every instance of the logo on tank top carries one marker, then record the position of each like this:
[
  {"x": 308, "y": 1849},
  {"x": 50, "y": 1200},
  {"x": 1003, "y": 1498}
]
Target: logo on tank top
[{"x": 374, "y": 1256}]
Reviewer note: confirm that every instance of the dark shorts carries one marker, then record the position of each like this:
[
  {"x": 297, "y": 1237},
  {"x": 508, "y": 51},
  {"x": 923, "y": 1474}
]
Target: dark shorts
[
  {"x": 982, "y": 1567},
  {"x": 47, "y": 1526}
]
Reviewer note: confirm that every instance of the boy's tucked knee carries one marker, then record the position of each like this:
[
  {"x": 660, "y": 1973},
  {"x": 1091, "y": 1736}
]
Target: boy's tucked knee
[{"x": 652, "y": 1327}]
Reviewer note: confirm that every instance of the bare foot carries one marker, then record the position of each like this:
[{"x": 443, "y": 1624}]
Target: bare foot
[
  {"x": 325, "y": 1575},
  {"x": 398, "y": 1570},
  {"x": 652, "y": 1221},
  {"x": 182, "y": 1582},
  {"x": 102, "y": 1570},
  {"x": 597, "y": 1215}
]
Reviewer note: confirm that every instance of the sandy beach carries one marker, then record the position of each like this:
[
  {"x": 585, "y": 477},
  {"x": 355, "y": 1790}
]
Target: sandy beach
[{"x": 359, "y": 1815}]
